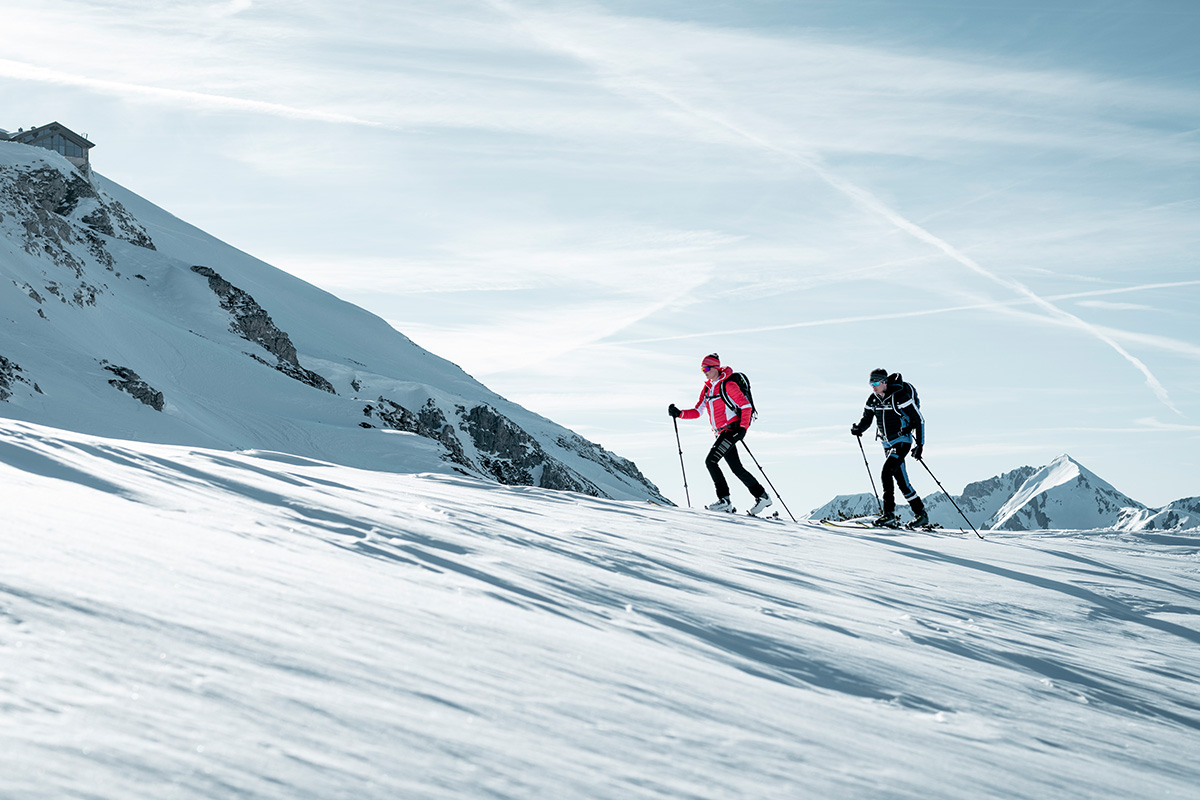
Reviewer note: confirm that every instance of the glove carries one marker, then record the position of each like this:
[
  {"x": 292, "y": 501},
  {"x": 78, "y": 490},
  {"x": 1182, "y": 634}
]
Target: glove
[
  {"x": 855, "y": 430},
  {"x": 735, "y": 432},
  {"x": 673, "y": 411},
  {"x": 918, "y": 451}
]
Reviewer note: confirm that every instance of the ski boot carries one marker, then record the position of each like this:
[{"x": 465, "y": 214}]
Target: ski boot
[
  {"x": 722, "y": 505},
  {"x": 760, "y": 504},
  {"x": 887, "y": 520},
  {"x": 921, "y": 521}
]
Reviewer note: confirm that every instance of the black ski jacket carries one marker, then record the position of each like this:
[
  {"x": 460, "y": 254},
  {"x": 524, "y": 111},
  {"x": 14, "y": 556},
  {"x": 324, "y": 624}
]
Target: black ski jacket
[{"x": 897, "y": 414}]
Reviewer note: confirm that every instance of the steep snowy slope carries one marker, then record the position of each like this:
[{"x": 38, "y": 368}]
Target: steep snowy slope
[
  {"x": 194, "y": 624},
  {"x": 1063, "y": 495},
  {"x": 117, "y": 318}
]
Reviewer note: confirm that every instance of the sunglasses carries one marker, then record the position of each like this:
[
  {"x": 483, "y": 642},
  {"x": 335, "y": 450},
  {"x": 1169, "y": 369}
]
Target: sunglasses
[
  {"x": 706, "y": 369},
  {"x": 878, "y": 383}
]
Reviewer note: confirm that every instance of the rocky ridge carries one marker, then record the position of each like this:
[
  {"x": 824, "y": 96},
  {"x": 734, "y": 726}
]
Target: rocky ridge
[{"x": 125, "y": 275}]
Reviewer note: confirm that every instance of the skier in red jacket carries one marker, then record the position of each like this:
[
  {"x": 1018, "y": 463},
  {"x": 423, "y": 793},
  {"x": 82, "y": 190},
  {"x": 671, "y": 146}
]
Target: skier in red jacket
[{"x": 729, "y": 412}]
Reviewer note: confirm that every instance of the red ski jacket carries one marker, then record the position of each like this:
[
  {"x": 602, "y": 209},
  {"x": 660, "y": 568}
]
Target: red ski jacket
[{"x": 719, "y": 414}]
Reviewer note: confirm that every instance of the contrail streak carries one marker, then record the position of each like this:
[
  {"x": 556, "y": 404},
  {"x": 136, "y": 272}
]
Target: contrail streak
[
  {"x": 816, "y": 323},
  {"x": 625, "y": 82}
]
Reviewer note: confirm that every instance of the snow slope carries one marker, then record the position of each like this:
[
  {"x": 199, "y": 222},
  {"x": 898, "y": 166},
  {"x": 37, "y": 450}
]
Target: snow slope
[
  {"x": 118, "y": 319},
  {"x": 183, "y": 623}
]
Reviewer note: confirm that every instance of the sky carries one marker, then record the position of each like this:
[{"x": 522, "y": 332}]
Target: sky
[{"x": 577, "y": 201}]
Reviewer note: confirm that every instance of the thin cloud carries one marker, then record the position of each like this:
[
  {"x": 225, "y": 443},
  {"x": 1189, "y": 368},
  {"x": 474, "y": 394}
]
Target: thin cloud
[
  {"x": 620, "y": 77},
  {"x": 27, "y": 72},
  {"x": 1146, "y": 339},
  {"x": 1105, "y": 305}
]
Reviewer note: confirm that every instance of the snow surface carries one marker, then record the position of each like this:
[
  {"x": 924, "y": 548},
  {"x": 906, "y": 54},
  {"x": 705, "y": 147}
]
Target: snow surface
[{"x": 179, "y": 622}]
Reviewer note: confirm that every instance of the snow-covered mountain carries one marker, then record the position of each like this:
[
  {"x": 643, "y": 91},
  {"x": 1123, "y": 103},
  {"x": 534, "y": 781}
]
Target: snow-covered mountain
[
  {"x": 1180, "y": 515},
  {"x": 1063, "y": 495},
  {"x": 121, "y": 320},
  {"x": 980, "y": 500},
  {"x": 185, "y": 623}
]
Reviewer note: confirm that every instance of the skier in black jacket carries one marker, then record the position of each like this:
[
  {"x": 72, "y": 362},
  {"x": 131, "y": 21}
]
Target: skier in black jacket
[{"x": 899, "y": 425}]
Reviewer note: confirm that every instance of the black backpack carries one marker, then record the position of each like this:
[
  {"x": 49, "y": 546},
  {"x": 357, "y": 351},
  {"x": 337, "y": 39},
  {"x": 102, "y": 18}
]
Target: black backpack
[
  {"x": 899, "y": 380},
  {"x": 743, "y": 383}
]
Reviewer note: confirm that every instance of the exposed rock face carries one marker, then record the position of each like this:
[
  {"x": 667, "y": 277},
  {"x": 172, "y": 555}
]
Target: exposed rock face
[
  {"x": 611, "y": 462},
  {"x": 130, "y": 382},
  {"x": 63, "y": 219},
  {"x": 429, "y": 422},
  {"x": 497, "y": 447},
  {"x": 10, "y": 373},
  {"x": 512, "y": 456},
  {"x": 254, "y": 324},
  {"x": 62, "y": 213}
]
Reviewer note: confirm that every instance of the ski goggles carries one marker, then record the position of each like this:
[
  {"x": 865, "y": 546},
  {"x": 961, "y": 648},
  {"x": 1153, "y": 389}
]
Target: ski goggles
[{"x": 879, "y": 383}]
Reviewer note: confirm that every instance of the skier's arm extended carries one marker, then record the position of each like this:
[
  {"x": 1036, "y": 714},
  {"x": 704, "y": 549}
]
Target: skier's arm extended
[
  {"x": 693, "y": 413},
  {"x": 863, "y": 423}
]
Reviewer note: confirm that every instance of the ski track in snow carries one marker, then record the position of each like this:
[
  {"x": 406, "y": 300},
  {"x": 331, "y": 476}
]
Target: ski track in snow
[{"x": 187, "y": 623}]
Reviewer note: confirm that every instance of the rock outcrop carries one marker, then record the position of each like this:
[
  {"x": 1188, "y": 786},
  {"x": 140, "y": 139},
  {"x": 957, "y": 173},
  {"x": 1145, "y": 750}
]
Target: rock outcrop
[
  {"x": 63, "y": 216},
  {"x": 132, "y": 384},
  {"x": 10, "y": 373},
  {"x": 254, "y": 324}
]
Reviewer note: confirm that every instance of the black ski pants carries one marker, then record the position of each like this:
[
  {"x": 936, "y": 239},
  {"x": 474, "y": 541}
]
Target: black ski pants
[
  {"x": 725, "y": 447},
  {"x": 896, "y": 473}
]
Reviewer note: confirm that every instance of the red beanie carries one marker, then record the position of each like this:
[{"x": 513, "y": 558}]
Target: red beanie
[{"x": 711, "y": 360}]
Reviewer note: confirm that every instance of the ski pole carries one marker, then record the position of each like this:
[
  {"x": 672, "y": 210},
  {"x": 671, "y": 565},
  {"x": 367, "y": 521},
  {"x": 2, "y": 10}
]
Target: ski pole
[
  {"x": 951, "y": 499},
  {"x": 869, "y": 475},
  {"x": 684, "y": 471},
  {"x": 764, "y": 474}
]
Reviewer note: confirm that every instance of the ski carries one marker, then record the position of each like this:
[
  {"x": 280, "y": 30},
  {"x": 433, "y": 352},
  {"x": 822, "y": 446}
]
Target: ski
[
  {"x": 772, "y": 517},
  {"x": 859, "y": 525},
  {"x": 866, "y": 525}
]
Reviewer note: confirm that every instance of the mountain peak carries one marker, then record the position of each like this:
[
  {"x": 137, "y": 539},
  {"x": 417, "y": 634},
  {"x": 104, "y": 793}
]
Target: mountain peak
[{"x": 1063, "y": 494}]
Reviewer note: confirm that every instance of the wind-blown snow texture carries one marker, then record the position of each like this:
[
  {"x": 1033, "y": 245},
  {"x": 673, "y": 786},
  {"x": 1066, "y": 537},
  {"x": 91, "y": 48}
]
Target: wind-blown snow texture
[
  {"x": 187, "y": 623},
  {"x": 123, "y": 321}
]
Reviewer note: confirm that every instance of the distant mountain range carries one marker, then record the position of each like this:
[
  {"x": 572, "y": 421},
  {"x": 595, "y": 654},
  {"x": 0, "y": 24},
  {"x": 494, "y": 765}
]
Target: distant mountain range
[
  {"x": 120, "y": 320},
  {"x": 1063, "y": 495}
]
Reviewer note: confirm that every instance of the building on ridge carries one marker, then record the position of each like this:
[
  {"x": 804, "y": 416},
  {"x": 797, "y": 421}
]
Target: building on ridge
[{"x": 56, "y": 137}]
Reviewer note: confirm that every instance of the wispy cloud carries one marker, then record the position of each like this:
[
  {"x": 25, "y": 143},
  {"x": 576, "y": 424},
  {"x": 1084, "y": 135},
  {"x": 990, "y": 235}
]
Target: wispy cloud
[
  {"x": 622, "y": 75},
  {"x": 15, "y": 70},
  {"x": 1105, "y": 305},
  {"x": 991, "y": 305}
]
